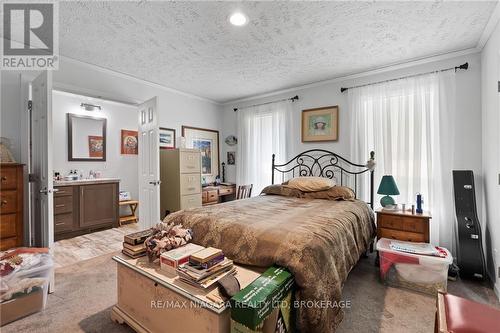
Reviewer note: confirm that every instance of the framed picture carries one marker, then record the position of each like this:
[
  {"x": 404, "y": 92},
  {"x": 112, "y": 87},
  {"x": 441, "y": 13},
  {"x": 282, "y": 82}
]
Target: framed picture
[
  {"x": 167, "y": 138},
  {"x": 207, "y": 141},
  {"x": 320, "y": 124},
  {"x": 96, "y": 144},
  {"x": 129, "y": 142},
  {"x": 231, "y": 158}
]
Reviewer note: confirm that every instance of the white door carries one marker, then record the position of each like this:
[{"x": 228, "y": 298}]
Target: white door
[
  {"x": 41, "y": 147},
  {"x": 149, "y": 164}
]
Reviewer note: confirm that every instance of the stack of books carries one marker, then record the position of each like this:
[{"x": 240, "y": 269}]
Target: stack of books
[
  {"x": 133, "y": 244},
  {"x": 205, "y": 267},
  {"x": 170, "y": 260}
]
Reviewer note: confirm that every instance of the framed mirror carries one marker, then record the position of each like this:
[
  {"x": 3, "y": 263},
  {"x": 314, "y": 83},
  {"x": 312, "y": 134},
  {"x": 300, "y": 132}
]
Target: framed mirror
[{"x": 86, "y": 138}]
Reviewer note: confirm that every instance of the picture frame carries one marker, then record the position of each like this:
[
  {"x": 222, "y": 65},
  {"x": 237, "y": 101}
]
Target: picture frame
[
  {"x": 96, "y": 146},
  {"x": 129, "y": 142},
  {"x": 167, "y": 138},
  {"x": 231, "y": 158},
  {"x": 206, "y": 140},
  {"x": 320, "y": 124}
]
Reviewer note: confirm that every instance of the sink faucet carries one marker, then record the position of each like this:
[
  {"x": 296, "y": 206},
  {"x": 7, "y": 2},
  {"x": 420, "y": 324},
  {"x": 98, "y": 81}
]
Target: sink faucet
[{"x": 91, "y": 174}]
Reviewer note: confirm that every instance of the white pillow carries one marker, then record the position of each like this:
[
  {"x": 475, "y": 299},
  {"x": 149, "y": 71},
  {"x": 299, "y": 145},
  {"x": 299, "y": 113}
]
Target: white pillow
[{"x": 311, "y": 184}]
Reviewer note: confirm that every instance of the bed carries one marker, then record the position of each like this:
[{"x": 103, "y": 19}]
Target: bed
[{"x": 318, "y": 240}]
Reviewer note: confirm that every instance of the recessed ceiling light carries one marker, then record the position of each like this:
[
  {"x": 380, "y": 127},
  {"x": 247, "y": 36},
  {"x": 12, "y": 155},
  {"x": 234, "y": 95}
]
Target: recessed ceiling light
[{"x": 238, "y": 19}]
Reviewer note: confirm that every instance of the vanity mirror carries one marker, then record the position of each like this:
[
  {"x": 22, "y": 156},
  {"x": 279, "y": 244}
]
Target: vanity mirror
[{"x": 86, "y": 138}]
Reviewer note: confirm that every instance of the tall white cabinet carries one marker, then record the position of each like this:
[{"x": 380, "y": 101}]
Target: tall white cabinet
[{"x": 180, "y": 174}]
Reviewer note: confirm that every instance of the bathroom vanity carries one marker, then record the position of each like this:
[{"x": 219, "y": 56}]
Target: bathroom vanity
[{"x": 84, "y": 206}]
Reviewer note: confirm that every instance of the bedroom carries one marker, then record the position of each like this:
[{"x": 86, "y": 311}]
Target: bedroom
[{"x": 431, "y": 118}]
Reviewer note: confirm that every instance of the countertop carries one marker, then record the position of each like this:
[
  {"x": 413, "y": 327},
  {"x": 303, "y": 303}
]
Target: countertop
[{"x": 86, "y": 181}]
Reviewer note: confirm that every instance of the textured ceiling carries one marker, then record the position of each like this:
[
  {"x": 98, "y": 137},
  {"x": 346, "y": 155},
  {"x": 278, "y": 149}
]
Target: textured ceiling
[{"x": 190, "y": 46}]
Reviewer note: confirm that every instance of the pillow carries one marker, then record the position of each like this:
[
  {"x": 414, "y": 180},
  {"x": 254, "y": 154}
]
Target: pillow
[
  {"x": 282, "y": 190},
  {"x": 311, "y": 184},
  {"x": 334, "y": 193}
]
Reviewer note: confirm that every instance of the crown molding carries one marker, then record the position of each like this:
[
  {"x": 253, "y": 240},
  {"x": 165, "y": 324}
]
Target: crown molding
[
  {"x": 135, "y": 79},
  {"x": 490, "y": 27},
  {"x": 378, "y": 70}
]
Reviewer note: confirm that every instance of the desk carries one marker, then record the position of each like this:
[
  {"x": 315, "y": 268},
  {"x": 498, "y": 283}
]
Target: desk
[{"x": 212, "y": 195}]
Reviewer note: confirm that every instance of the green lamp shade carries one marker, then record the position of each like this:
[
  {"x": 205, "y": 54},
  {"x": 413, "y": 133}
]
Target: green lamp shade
[{"x": 388, "y": 187}]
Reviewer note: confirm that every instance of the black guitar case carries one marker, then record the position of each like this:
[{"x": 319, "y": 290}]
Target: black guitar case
[{"x": 470, "y": 247}]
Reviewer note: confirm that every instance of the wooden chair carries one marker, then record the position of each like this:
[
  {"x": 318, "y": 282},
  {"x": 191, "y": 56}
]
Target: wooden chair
[{"x": 244, "y": 191}]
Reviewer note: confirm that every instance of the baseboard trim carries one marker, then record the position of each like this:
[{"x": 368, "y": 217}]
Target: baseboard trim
[{"x": 496, "y": 289}]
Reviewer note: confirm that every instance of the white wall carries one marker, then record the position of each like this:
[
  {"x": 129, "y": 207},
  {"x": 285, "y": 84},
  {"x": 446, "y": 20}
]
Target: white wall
[
  {"x": 175, "y": 108},
  {"x": 468, "y": 113},
  {"x": 11, "y": 111},
  {"x": 119, "y": 116},
  {"x": 490, "y": 59}
]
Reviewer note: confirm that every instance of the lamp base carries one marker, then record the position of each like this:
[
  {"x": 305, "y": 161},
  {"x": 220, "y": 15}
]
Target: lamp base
[{"x": 387, "y": 201}]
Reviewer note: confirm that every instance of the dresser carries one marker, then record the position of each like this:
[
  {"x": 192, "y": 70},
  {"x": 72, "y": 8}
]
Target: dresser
[
  {"x": 12, "y": 205},
  {"x": 403, "y": 226},
  {"x": 84, "y": 206},
  {"x": 211, "y": 195},
  {"x": 180, "y": 175}
]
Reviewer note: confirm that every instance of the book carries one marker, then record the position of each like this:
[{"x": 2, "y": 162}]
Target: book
[
  {"x": 134, "y": 248},
  {"x": 189, "y": 272},
  {"x": 208, "y": 264},
  {"x": 206, "y": 254},
  {"x": 134, "y": 254},
  {"x": 174, "y": 258},
  {"x": 209, "y": 280},
  {"x": 137, "y": 237}
]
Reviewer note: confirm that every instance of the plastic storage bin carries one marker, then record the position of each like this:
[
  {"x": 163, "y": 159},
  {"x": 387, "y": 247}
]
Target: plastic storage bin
[
  {"x": 25, "y": 291},
  {"x": 422, "y": 273}
]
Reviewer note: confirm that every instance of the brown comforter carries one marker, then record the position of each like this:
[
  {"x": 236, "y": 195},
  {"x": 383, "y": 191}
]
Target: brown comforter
[{"x": 319, "y": 241}]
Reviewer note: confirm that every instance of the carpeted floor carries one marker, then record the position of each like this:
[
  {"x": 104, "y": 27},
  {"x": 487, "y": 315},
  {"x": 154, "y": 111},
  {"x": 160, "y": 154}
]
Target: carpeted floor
[{"x": 86, "y": 291}]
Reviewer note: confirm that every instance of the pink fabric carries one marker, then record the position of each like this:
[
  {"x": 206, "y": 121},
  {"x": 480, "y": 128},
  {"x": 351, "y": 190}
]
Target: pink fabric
[
  {"x": 389, "y": 259},
  {"x": 464, "y": 316}
]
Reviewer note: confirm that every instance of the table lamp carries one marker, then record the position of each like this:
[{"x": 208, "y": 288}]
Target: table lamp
[{"x": 388, "y": 187}]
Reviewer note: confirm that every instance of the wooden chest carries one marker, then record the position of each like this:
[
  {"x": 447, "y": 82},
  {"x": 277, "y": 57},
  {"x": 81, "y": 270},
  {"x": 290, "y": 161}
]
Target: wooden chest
[
  {"x": 403, "y": 226},
  {"x": 152, "y": 301},
  {"x": 12, "y": 205}
]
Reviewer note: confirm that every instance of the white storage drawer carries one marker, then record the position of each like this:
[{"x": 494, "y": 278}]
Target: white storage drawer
[
  {"x": 191, "y": 201},
  {"x": 190, "y": 161},
  {"x": 190, "y": 183}
]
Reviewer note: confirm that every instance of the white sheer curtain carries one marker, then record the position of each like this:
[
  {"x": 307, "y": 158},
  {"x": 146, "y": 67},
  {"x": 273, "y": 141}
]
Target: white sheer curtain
[
  {"x": 262, "y": 131},
  {"x": 409, "y": 123}
]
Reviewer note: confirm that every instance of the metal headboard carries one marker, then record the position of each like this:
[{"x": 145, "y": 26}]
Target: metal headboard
[{"x": 324, "y": 163}]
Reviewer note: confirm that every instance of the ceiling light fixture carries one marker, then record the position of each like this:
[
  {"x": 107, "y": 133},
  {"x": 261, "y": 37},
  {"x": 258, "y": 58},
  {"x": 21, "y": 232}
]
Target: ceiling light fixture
[
  {"x": 90, "y": 107},
  {"x": 238, "y": 19}
]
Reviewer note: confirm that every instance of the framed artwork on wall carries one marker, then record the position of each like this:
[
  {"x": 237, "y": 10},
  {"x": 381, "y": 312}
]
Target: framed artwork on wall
[
  {"x": 231, "y": 158},
  {"x": 129, "y": 142},
  {"x": 207, "y": 141},
  {"x": 167, "y": 138},
  {"x": 320, "y": 124},
  {"x": 96, "y": 144}
]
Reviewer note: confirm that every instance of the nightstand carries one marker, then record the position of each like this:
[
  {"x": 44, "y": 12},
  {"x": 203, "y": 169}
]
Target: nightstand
[{"x": 404, "y": 226}]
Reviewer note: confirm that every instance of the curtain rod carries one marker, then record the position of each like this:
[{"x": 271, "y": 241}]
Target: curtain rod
[
  {"x": 463, "y": 66},
  {"x": 293, "y": 99}
]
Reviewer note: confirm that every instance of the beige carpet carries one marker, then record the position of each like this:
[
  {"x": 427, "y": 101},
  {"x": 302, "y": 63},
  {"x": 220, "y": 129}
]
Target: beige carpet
[{"x": 86, "y": 291}]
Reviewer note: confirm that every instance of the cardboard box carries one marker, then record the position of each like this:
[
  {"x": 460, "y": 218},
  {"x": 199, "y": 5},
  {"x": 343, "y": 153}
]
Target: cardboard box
[
  {"x": 265, "y": 304},
  {"x": 21, "y": 306},
  {"x": 170, "y": 260}
]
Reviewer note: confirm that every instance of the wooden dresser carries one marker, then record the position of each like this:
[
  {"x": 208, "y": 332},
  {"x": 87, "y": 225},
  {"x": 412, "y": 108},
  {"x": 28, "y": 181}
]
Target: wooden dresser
[
  {"x": 216, "y": 194},
  {"x": 403, "y": 226},
  {"x": 12, "y": 205},
  {"x": 180, "y": 175}
]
